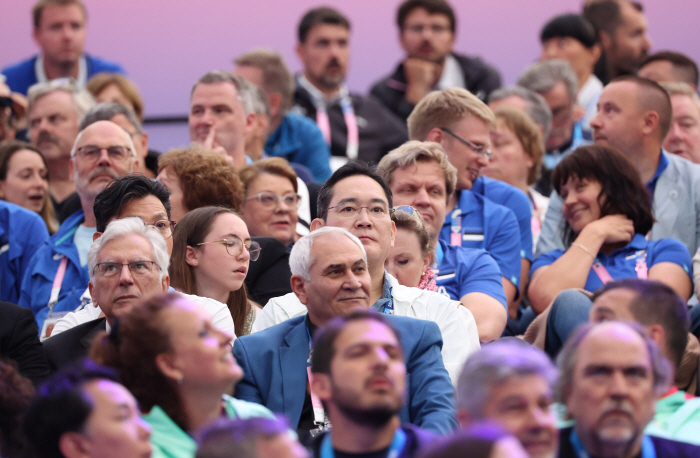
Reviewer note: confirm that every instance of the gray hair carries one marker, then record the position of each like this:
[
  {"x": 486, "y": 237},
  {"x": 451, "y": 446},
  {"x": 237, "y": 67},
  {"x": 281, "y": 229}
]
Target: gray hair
[
  {"x": 127, "y": 137},
  {"x": 260, "y": 103},
  {"x": 83, "y": 101},
  {"x": 105, "y": 111},
  {"x": 566, "y": 361},
  {"x": 125, "y": 227},
  {"x": 535, "y": 105},
  {"x": 300, "y": 259},
  {"x": 244, "y": 91},
  {"x": 496, "y": 363},
  {"x": 678, "y": 88},
  {"x": 542, "y": 76}
]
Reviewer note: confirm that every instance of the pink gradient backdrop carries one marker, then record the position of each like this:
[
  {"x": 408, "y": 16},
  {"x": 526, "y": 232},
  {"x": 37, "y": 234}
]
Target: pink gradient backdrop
[{"x": 165, "y": 45}]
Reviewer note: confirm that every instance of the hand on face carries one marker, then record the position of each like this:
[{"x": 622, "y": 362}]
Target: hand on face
[{"x": 614, "y": 228}]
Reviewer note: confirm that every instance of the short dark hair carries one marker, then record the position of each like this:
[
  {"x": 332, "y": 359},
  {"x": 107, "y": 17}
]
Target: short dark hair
[
  {"x": 61, "y": 406},
  {"x": 322, "y": 15},
  {"x": 652, "y": 97},
  {"x": 622, "y": 191},
  {"x": 657, "y": 303},
  {"x": 685, "y": 68},
  {"x": 220, "y": 437},
  {"x": 570, "y": 25},
  {"x": 606, "y": 15},
  {"x": 352, "y": 168},
  {"x": 431, "y": 6},
  {"x": 324, "y": 340},
  {"x": 121, "y": 191},
  {"x": 38, "y": 8}
]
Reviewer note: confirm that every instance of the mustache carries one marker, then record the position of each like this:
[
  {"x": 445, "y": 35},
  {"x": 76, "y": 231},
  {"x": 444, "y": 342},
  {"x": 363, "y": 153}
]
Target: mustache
[
  {"x": 333, "y": 63},
  {"x": 618, "y": 406},
  {"x": 46, "y": 137},
  {"x": 380, "y": 372},
  {"x": 103, "y": 171}
]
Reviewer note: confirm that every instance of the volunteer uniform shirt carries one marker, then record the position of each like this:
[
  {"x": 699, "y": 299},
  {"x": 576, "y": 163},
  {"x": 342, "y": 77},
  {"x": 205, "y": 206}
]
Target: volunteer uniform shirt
[{"x": 462, "y": 271}]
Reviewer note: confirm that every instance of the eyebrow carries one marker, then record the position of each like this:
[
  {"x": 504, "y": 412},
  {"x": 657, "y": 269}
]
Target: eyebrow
[
  {"x": 231, "y": 234},
  {"x": 375, "y": 200}
]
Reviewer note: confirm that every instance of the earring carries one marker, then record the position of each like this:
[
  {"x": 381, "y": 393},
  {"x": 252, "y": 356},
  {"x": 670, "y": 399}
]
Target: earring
[{"x": 196, "y": 263}]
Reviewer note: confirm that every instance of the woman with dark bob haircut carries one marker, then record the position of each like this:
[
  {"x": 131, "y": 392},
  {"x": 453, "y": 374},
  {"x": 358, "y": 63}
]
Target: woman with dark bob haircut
[
  {"x": 178, "y": 366},
  {"x": 212, "y": 251},
  {"x": 608, "y": 214}
]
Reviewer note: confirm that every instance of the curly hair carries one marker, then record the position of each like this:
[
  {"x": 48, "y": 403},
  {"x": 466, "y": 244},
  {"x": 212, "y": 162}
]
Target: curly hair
[{"x": 206, "y": 178}]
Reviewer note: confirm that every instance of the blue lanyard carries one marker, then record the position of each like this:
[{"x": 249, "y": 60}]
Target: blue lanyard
[
  {"x": 648, "y": 450},
  {"x": 395, "y": 449},
  {"x": 389, "y": 306},
  {"x": 439, "y": 254}
]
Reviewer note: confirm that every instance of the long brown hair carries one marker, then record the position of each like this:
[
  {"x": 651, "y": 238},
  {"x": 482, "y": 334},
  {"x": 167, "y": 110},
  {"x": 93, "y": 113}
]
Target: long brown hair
[
  {"x": 132, "y": 347},
  {"x": 190, "y": 231}
]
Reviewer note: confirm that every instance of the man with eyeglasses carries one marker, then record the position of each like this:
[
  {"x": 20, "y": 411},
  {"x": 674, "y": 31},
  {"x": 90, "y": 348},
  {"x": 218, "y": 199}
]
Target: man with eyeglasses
[
  {"x": 54, "y": 114},
  {"x": 354, "y": 126},
  {"x": 129, "y": 261},
  {"x": 556, "y": 81},
  {"x": 482, "y": 213},
  {"x": 129, "y": 196},
  {"x": 57, "y": 275},
  {"x": 358, "y": 199},
  {"x": 427, "y": 34}
]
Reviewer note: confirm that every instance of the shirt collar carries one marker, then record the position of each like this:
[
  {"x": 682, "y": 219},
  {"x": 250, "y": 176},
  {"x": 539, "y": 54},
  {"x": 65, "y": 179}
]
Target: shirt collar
[
  {"x": 663, "y": 163},
  {"x": 41, "y": 73},
  {"x": 386, "y": 295}
]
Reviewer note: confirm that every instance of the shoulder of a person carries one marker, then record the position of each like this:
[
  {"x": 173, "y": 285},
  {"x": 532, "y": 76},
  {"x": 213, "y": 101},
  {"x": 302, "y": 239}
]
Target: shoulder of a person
[
  {"x": 263, "y": 339},
  {"x": 73, "y": 334},
  {"x": 245, "y": 409},
  {"x": 475, "y": 66}
]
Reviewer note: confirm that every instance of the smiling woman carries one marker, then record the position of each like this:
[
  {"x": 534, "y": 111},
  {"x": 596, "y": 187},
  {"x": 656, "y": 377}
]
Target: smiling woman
[
  {"x": 212, "y": 251},
  {"x": 24, "y": 180},
  {"x": 608, "y": 213}
]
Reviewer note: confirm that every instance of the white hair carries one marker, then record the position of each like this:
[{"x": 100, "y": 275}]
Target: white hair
[
  {"x": 300, "y": 259},
  {"x": 129, "y": 141},
  {"x": 131, "y": 226}
]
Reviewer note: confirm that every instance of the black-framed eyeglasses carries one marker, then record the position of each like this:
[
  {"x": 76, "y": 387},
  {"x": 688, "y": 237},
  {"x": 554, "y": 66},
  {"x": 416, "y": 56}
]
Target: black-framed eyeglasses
[
  {"x": 113, "y": 269},
  {"x": 164, "y": 226},
  {"x": 234, "y": 247},
  {"x": 91, "y": 153},
  {"x": 478, "y": 149},
  {"x": 269, "y": 199}
]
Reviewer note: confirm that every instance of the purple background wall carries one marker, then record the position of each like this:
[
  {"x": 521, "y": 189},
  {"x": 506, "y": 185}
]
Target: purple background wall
[{"x": 165, "y": 45}]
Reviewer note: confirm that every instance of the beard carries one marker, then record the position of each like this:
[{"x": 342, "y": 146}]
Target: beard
[{"x": 376, "y": 415}]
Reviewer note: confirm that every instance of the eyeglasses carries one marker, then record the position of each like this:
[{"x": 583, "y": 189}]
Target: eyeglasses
[
  {"x": 351, "y": 210},
  {"x": 164, "y": 226},
  {"x": 478, "y": 149},
  {"x": 137, "y": 268},
  {"x": 436, "y": 29},
  {"x": 234, "y": 247},
  {"x": 91, "y": 153},
  {"x": 270, "y": 199}
]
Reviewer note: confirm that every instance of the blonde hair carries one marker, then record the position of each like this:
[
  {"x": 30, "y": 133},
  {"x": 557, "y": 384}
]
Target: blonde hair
[
  {"x": 412, "y": 152},
  {"x": 443, "y": 109},
  {"x": 528, "y": 134}
]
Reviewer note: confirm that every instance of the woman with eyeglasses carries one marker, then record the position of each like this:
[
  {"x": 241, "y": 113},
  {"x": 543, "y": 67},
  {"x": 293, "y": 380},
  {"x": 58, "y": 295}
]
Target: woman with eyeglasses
[
  {"x": 271, "y": 199},
  {"x": 178, "y": 366},
  {"x": 212, "y": 251}
]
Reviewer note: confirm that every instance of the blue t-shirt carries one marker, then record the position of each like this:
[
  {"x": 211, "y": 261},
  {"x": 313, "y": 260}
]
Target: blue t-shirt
[
  {"x": 516, "y": 201},
  {"x": 485, "y": 224},
  {"x": 622, "y": 263},
  {"x": 463, "y": 270}
]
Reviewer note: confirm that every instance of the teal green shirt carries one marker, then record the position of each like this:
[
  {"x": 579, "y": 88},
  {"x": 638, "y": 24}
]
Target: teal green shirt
[{"x": 169, "y": 441}]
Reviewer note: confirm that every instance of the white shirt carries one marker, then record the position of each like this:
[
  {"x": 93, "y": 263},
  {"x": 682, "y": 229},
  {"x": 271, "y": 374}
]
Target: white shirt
[
  {"x": 459, "y": 333},
  {"x": 588, "y": 99},
  {"x": 220, "y": 315},
  {"x": 451, "y": 74}
]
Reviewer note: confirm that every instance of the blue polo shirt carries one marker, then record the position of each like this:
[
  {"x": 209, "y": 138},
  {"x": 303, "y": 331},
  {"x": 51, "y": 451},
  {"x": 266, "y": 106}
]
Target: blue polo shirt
[
  {"x": 462, "y": 271},
  {"x": 516, "y": 201},
  {"x": 485, "y": 224},
  {"x": 622, "y": 262}
]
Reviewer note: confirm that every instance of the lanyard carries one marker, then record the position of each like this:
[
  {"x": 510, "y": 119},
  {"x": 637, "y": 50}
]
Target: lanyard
[
  {"x": 319, "y": 414},
  {"x": 640, "y": 267},
  {"x": 57, "y": 282},
  {"x": 319, "y": 101},
  {"x": 395, "y": 449},
  {"x": 439, "y": 255},
  {"x": 456, "y": 227},
  {"x": 648, "y": 450}
]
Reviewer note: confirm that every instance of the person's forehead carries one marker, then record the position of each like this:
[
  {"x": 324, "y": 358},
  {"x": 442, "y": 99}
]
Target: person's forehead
[
  {"x": 557, "y": 95},
  {"x": 365, "y": 332},
  {"x": 529, "y": 385},
  {"x": 53, "y": 13},
  {"x": 327, "y": 32},
  {"x": 657, "y": 70},
  {"x": 126, "y": 247},
  {"x": 251, "y": 73},
  {"x": 612, "y": 344},
  {"x": 144, "y": 207},
  {"x": 359, "y": 187},
  {"x": 420, "y": 15},
  {"x": 103, "y": 134},
  {"x": 334, "y": 248},
  {"x": 631, "y": 16},
  {"x": 514, "y": 101},
  {"x": 619, "y": 91},
  {"x": 617, "y": 300},
  {"x": 420, "y": 172},
  {"x": 55, "y": 102},
  {"x": 123, "y": 122}
]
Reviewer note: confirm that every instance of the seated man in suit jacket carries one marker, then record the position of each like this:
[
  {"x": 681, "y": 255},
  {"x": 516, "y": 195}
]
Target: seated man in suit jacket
[
  {"x": 330, "y": 277},
  {"x": 128, "y": 261}
]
